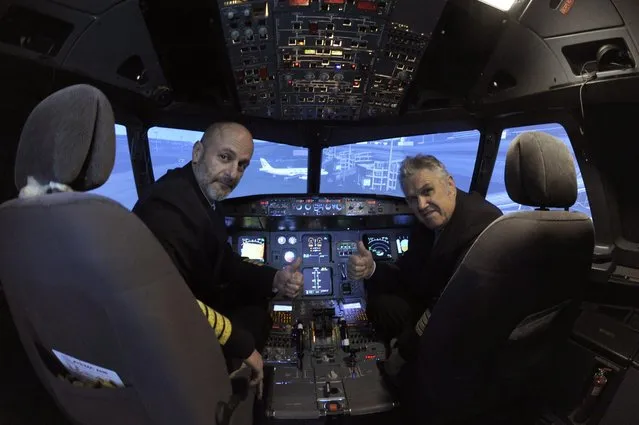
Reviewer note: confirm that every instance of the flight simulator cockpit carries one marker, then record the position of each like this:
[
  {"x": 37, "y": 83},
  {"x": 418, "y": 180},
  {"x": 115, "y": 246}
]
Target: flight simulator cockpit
[{"x": 336, "y": 93}]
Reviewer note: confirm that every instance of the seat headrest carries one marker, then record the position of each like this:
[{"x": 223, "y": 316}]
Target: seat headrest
[
  {"x": 540, "y": 171},
  {"x": 69, "y": 138}
]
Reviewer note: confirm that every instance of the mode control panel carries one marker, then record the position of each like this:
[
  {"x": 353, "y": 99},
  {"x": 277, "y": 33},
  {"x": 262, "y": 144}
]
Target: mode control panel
[{"x": 317, "y": 206}]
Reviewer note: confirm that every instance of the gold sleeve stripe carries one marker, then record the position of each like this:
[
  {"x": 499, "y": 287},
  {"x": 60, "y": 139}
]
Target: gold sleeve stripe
[{"x": 220, "y": 324}]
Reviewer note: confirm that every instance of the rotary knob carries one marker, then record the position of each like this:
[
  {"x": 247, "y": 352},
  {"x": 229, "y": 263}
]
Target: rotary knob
[
  {"x": 247, "y": 12},
  {"x": 310, "y": 76},
  {"x": 235, "y": 35},
  {"x": 288, "y": 77},
  {"x": 263, "y": 31},
  {"x": 248, "y": 33},
  {"x": 230, "y": 14},
  {"x": 339, "y": 77},
  {"x": 403, "y": 75},
  {"x": 324, "y": 76}
]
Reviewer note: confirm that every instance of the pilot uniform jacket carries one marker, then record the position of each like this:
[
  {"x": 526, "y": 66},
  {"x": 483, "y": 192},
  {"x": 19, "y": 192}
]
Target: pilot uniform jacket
[
  {"x": 194, "y": 234},
  {"x": 422, "y": 273}
]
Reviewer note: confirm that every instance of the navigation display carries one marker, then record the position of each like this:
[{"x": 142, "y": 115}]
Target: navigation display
[
  {"x": 402, "y": 244},
  {"x": 252, "y": 247},
  {"x": 379, "y": 246},
  {"x": 316, "y": 248},
  {"x": 317, "y": 281}
]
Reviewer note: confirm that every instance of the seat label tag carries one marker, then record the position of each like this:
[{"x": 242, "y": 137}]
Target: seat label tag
[{"x": 87, "y": 371}]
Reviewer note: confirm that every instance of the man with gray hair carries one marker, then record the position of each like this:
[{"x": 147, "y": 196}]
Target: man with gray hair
[{"x": 448, "y": 222}]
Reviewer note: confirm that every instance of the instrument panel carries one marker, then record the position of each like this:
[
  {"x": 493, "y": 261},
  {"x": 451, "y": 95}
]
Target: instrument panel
[
  {"x": 325, "y": 59},
  {"x": 324, "y": 255}
]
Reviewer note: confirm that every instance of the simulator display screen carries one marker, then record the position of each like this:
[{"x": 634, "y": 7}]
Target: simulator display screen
[
  {"x": 379, "y": 246},
  {"x": 402, "y": 244},
  {"x": 252, "y": 247},
  {"x": 317, "y": 281},
  {"x": 316, "y": 248}
]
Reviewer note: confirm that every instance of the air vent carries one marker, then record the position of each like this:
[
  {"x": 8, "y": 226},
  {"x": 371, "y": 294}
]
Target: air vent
[{"x": 33, "y": 31}]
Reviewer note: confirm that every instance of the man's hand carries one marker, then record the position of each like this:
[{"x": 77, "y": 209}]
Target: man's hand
[
  {"x": 394, "y": 364},
  {"x": 256, "y": 364},
  {"x": 289, "y": 281},
  {"x": 361, "y": 265}
]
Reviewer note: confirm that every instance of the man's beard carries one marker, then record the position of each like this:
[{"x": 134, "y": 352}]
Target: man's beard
[{"x": 212, "y": 195}]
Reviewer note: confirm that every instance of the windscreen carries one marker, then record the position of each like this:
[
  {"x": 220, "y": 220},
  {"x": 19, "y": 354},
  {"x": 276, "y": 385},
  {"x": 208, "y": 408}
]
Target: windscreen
[
  {"x": 274, "y": 168},
  {"x": 373, "y": 166}
]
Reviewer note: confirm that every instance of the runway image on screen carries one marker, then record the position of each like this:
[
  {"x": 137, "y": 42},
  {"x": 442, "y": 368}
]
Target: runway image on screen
[
  {"x": 402, "y": 244},
  {"x": 316, "y": 248},
  {"x": 379, "y": 246},
  {"x": 317, "y": 281},
  {"x": 252, "y": 247}
]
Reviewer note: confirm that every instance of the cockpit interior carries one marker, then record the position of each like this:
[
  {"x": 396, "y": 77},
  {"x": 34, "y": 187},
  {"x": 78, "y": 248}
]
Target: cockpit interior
[{"x": 336, "y": 93}]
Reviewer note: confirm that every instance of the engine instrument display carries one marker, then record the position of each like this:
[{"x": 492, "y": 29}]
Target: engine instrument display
[
  {"x": 402, "y": 244},
  {"x": 317, "y": 281},
  {"x": 379, "y": 246},
  {"x": 252, "y": 247},
  {"x": 316, "y": 248}
]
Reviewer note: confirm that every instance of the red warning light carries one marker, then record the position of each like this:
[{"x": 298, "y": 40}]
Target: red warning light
[
  {"x": 367, "y": 5},
  {"x": 299, "y": 2}
]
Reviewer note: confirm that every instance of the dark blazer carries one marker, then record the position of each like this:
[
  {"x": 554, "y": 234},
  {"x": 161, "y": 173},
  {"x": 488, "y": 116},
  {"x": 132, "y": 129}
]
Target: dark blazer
[
  {"x": 194, "y": 234},
  {"x": 423, "y": 272}
]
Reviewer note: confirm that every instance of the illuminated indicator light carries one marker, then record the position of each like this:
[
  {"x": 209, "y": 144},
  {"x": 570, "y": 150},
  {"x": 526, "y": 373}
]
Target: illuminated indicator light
[
  {"x": 366, "y": 5},
  {"x": 356, "y": 84},
  {"x": 353, "y": 66},
  {"x": 336, "y": 53},
  {"x": 338, "y": 66},
  {"x": 296, "y": 65},
  {"x": 299, "y": 2},
  {"x": 301, "y": 42},
  {"x": 309, "y": 51},
  {"x": 369, "y": 357}
]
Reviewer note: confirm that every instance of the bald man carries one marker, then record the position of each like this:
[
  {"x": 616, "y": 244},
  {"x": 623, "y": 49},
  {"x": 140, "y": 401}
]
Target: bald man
[{"x": 181, "y": 210}]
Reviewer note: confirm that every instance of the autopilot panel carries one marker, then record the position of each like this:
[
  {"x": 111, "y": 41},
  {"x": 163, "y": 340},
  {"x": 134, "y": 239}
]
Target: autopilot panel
[{"x": 322, "y": 347}]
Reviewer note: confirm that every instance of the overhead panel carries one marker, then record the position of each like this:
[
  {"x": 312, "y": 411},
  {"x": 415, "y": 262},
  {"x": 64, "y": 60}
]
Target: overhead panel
[{"x": 325, "y": 59}]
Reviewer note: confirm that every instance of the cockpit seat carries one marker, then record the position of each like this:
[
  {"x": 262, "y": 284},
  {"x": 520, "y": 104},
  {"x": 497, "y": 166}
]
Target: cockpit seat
[
  {"x": 106, "y": 320},
  {"x": 490, "y": 339}
]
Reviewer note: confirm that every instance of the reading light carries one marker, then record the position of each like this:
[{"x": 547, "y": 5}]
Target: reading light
[{"x": 503, "y": 5}]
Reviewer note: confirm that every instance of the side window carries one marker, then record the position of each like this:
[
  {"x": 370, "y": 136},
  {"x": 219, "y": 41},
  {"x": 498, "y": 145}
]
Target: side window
[
  {"x": 497, "y": 189},
  {"x": 121, "y": 185}
]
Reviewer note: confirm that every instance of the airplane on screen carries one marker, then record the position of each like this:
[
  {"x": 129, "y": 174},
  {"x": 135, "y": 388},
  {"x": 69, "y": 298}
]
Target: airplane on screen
[{"x": 299, "y": 172}]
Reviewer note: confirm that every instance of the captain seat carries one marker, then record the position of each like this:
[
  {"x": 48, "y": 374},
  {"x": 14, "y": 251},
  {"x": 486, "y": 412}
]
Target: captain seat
[
  {"x": 108, "y": 323},
  {"x": 490, "y": 340}
]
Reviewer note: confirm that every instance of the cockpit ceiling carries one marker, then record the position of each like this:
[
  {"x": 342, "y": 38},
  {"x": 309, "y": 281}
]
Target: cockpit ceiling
[{"x": 325, "y": 60}]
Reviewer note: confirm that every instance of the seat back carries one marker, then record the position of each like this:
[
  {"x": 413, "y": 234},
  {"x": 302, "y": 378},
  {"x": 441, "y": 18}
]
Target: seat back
[
  {"x": 517, "y": 291},
  {"x": 92, "y": 292}
]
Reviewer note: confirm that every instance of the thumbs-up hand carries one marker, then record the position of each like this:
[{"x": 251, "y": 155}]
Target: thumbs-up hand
[
  {"x": 361, "y": 264},
  {"x": 289, "y": 281}
]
